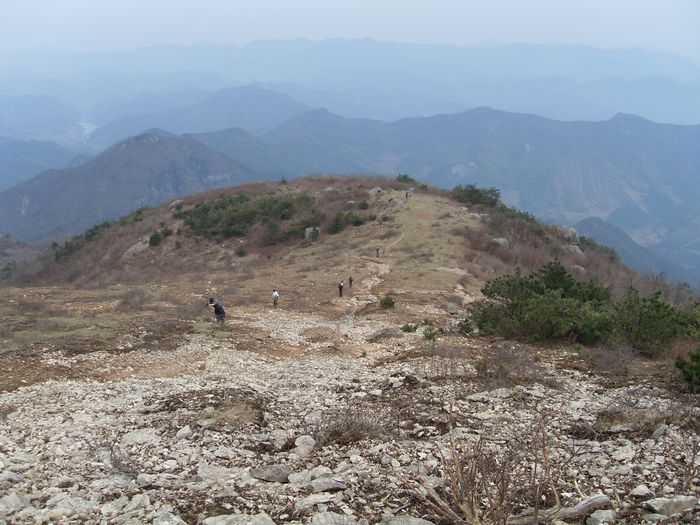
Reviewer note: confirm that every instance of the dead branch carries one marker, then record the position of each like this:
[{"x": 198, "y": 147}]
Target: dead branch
[{"x": 582, "y": 508}]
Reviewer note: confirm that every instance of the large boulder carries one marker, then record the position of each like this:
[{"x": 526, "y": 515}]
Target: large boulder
[
  {"x": 312, "y": 233},
  {"x": 566, "y": 233},
  {"x": 500, "y": 242}
]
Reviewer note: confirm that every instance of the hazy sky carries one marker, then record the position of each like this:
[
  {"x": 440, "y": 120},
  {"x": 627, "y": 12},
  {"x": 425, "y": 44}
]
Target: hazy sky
[{"x": 80, "y": 25}]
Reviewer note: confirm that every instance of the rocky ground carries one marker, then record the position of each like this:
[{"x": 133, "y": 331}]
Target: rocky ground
[
  {"x": 324, "y": 411},
  {"x": 349, "y": 421}
]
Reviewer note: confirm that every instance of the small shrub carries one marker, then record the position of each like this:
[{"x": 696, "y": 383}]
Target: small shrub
[
  {"x": 470, "y": 194},
  {"x": 431, "y": 333},
  {"x": 166, "y": 231},
  {"x": 690, "y": 370},
  {"x": 241, "y": 251},
  {"x": 134, "y": 299},
  {"x": 387, "y": 302},
  {"x": 408, "y": 327},
  {"x": 465, "y": 327},
  {"x": 178, "y": 245},
  {"x": 337, "y": 224},
  {"x": 155, "y": 239},
  {"x": 354, "y": 219},
  {"x": 364, "y": 205}
]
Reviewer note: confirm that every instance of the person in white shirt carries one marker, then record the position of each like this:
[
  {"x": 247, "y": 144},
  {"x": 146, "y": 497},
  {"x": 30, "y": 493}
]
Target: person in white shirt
[{"x": 275, "y": 297}]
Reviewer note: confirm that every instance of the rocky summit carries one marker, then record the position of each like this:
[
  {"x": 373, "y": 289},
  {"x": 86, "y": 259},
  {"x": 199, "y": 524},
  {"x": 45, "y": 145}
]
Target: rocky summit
[{"x": 327, "y": 409}]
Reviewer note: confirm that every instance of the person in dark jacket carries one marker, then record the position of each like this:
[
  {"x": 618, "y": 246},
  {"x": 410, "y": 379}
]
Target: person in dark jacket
[
  {"x": 218, "y": 310},
  {"x": 350, "y": 281},
  {"x": 340, "y": 288}
]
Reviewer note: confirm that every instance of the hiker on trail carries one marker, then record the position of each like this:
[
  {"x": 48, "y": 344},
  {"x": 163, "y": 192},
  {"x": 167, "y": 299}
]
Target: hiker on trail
[
  {"x": 377, "y": 248},
  {"x": 407, "y": 195},
  {"x": 275, "y": 297},
  {"x": 218, "y": 310},
  {"x": 340, "y": 288},
  {"x": 350, "y": 281}
]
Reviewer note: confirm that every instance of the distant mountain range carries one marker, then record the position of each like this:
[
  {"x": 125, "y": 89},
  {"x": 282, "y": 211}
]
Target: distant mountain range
[
  {"x": 141, "y": 171},
  {"x": 63, "y": 98},
  {"x": 640, "y": 258},
  {"x": 42, "y": 118},
  {"x": 251, "y": 108},
  {"x": 20, "y": 160},
  {"x": 640, "y": 176}
]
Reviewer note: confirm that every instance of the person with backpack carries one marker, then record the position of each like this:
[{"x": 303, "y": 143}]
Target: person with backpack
[
  {"x": 218, "y": 310},
  {"x": 350, "y": 281},
  {"x": 340, "y": 288},
  {"x": 275, "y": 298}
]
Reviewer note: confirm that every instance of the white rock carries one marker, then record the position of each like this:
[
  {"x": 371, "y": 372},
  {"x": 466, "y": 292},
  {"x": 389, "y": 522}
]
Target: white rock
[
  {"x": 140, "y": 436},
  {"x": 331, "y": 518},
  {"x": 320, "y": 472},
  {"x": 641, "y": 491},
  {"x": 670, "y": 506},
  {"x": 311, "y": 501},
  {"x": 183, "y": 433},
  {"x": 239, "y": 519},
  {"x": 168, "y": 518},
  {"x": 12, "y": 502},
  {"x": 405, "y": 520},
  {"x": 601, "y": 517},
  {"x": 624, "y": 453}
]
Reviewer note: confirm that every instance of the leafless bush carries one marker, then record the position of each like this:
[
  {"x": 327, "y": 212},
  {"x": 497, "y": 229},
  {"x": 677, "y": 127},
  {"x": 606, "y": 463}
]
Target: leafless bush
[
  {"x": 355, "y": 422},
  {"x": 134, "y": 299},
  {"x": 448, "y": 362},
  {"x": 507, "y": 365},
  {"x": 687, "y": 457},
  {"x": 483, "y": 482},
  {"x": 29, "y": 306},
  {"x": 614, "y": 359}
]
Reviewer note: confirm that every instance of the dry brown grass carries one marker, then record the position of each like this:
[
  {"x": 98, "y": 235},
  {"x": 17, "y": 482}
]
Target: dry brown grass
[{"x": 355, "y": 422}]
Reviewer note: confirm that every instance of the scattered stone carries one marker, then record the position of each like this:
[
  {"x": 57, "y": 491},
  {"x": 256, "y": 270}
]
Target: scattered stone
[
  {"x": 659, "y": 431},
  {"x": 653, "y": 518},
  {"x": 331, "y": 518},
  {"x": 405, "y": 520},
  {"x": 624, "y": 453},
  {"x": 670, "y": 506},
  {"x": 320, "y": 472},
  {"x": 12, "y": 502},
  {"x": 140, "y": 436},
  {"x": 239, "y": 519},
  {"x": 601, "y": 517},
  {"x": 168, "y": 518},
  {"x": 183, "y": 433},
  {"x": 274, "y": 473},
  {"x": 310, "y": 501},
  {"x": 326, "y": 484},
  {"x": 641, "y": 491}
]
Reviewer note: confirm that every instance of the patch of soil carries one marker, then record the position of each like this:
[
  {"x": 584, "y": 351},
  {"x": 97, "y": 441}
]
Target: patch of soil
[{"x": 228, "y": 406}]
